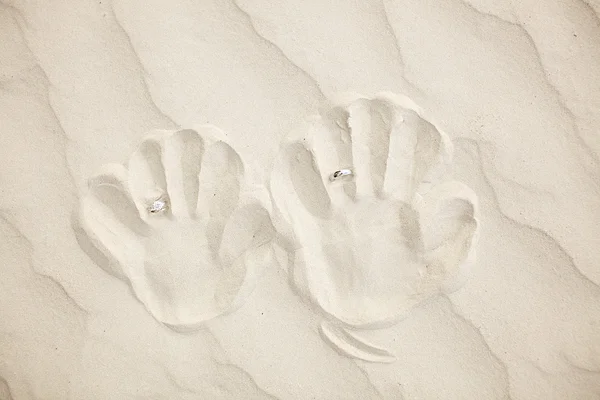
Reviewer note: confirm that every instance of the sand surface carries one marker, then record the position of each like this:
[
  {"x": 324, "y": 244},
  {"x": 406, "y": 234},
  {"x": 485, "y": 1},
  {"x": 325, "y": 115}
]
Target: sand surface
[{"x": 252, "y": 199}]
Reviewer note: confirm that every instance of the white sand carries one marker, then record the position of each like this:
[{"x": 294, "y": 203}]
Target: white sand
[{"x": 459, "y": 260}]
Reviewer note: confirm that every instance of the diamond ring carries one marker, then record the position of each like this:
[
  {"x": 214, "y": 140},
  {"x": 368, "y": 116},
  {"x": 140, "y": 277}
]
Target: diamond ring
[{"x": 158, "y": 205}]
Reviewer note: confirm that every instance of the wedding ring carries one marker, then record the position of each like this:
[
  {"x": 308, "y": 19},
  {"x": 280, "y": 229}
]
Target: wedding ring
[
  {"x": 340, "y": 174},
  {"x": 158, "y": 205}
]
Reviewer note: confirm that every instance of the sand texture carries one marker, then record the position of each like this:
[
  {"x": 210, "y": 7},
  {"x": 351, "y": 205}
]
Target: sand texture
[{"x": 249, "y": 199}]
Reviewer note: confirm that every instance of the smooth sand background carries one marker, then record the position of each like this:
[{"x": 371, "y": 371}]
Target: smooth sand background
[{"x": 513, "y": 84}]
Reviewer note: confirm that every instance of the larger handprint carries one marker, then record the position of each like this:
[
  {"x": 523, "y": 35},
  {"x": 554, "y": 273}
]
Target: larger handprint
[{"x": 371, "y": 225}]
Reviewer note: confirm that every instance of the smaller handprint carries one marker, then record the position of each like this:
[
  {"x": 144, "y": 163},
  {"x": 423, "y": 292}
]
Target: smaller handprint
[
  {"x": 179, "y": 225},
  {"x": 371, "y": 225}
]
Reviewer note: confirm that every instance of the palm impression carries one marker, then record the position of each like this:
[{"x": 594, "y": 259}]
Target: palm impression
[
  {"x": 371, "y": 225},
  {"x": 178, "y": 225}
]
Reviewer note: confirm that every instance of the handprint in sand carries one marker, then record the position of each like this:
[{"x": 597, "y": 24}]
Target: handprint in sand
[
  {"x": 178, "y": 225},
  {"x": 371, "y": 225}
]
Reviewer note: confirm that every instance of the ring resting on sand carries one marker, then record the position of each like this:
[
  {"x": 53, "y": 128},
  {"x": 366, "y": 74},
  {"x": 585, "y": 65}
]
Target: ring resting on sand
[
  {"x": 158, "y": 205},
  {"x": 341, "y": 174}
]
